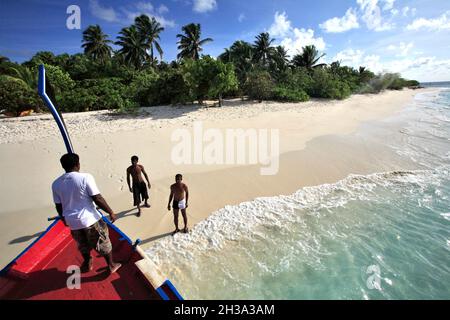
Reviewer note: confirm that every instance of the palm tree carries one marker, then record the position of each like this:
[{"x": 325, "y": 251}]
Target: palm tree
[
  {"x": 242, "y": 50},
  {"x": 263, "y": 50},
  {"x": 133, "y": 46},
  {"x": 241, "y": 55},
  {"x": 335, "y": 67},
  {"x": 308, "y": 58},
  {"x": 23, "y": 73},
  {"x": 279, "y": 62},
  {"x": 365, "y": 75},
  {"x": 281, "y": 57},
  {"x": 227, "y": 56},
  {"x": 190, "y": 43},
  {"x": 149, "y": 29},
  {"x": 96, "y": 44}
]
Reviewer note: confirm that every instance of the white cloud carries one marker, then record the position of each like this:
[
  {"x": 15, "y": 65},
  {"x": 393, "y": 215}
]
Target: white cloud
[
  {"x": 127, "y": 14},
  {"x": 422, "y": 69},
  {"x": 131, "y": 12},
  {"x": 241, "y": 17},
  {"x": 357, "y": 58},
  {"x": 402, "y": 49},
  {"x": 389, "y": 4},
  {"x": 144, "y": 6},
  {"x": 439, "y": 23},
  {"x": 350, "y": 57},
  {"x": 371, "y": 12},
  {"x": 281, "y": 26},
  {"x": 204, "y": 5},
  {"x": 104, "y": 13},
  {"x": 163, "y": 9},
  {"x": 371, "y": 15},
  {"x": 373, "y": 63},
  {"x": 293, "y": 39},
  {"x": 405, "y": 11},
  {"x": 301, "y": 38},
  {"x": 347, "y": 22}
]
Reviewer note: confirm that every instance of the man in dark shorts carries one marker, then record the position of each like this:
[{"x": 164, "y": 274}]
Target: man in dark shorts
[
  {"x": 139, "y": 188},
  {"x": 75, "y": 195},
  {"x": 179, "y": 192}
]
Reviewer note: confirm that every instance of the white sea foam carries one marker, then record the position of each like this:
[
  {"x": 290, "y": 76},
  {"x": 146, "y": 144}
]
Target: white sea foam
[{"x": 248, "y": 220}]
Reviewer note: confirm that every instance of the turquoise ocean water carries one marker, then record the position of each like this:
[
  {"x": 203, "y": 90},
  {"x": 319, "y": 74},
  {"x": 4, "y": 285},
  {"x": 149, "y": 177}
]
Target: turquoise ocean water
[{"x": 381, "y": 236}]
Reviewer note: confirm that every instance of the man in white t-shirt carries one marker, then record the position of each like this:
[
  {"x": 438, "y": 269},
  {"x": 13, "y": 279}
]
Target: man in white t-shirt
[{"x": 76, "y": 195}]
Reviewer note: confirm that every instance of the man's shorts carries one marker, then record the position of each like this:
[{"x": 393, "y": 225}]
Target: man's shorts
[
  {"x": 179, "y": 204},
  {"x": 139, "y": 191},
  {"x": 94, "y": 237}
]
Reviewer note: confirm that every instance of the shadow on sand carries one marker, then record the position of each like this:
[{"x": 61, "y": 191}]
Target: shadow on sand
[
  {"x": 127, "y": 213},
  {"x": 25, "y": 238},
  {"x": 120, "y": 215},
  {"x": 154, "y": 238},
  {"x": 155, "y": 113}
]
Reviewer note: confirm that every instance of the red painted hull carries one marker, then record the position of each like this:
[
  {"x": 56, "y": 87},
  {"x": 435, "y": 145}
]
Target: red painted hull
[{"x": 40, "y": 273}]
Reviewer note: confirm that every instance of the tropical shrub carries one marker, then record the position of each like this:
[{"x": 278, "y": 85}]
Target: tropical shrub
[
  {"x": 77, "y": 100},
  {"x": 346, "y": 74},
  {"x": 16, "y": 96},
  {"x": 140, "y": 82},
  {"x": 59, "y": 79},
  {"x": 209, "y": 78},
  {"x": 289, "y": 95},
  {"x": 169, "y": 88},
  {"x": 258, "y": 85},
  {"x": 298, "y": 78},
  {"x": 97, "y": 94},
  {"x": 325, "y": 85}
]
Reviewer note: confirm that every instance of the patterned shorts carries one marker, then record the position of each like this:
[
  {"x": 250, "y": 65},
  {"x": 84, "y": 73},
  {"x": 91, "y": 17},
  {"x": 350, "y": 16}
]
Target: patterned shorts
[{"x": 94, "y": 237}]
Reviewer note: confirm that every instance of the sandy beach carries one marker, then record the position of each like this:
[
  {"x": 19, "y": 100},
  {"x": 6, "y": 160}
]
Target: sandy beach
[{"x": 320, "y": 142}]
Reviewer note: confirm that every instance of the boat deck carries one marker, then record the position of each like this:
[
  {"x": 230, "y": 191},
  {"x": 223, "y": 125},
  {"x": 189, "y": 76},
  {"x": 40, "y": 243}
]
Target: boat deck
[{"x": 41, "y": 273}]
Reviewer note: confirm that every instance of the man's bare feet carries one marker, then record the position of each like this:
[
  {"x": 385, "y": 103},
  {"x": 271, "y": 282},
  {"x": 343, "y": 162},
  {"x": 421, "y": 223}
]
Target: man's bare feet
[
  {"x": 147, "y": 205},
  {"x": 176, "y": 231},
  {"x": 114, "y": 267},
  {"x": 185, "y": 230},
  {"x": 139, "y": 213}
]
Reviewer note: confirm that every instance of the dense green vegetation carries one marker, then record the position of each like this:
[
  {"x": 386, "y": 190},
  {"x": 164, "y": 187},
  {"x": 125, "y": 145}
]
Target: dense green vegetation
[{"x": 135, "y": 74}]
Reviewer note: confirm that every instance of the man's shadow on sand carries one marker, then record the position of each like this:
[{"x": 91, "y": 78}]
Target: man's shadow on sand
[
  {"x": 154, "y": 238},
  {"x": 126, "y": 213},
  {"x": 26, "y": 238},
  {"x": 22, "y": 239}
]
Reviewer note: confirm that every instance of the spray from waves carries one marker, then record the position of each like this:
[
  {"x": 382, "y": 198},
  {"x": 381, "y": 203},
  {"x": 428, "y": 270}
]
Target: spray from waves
[{"x": 238, "y": 249}]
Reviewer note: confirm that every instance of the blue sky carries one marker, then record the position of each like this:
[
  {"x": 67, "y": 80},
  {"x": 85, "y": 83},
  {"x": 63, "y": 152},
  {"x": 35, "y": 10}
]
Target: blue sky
[{"x": 406, "y": 36}]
